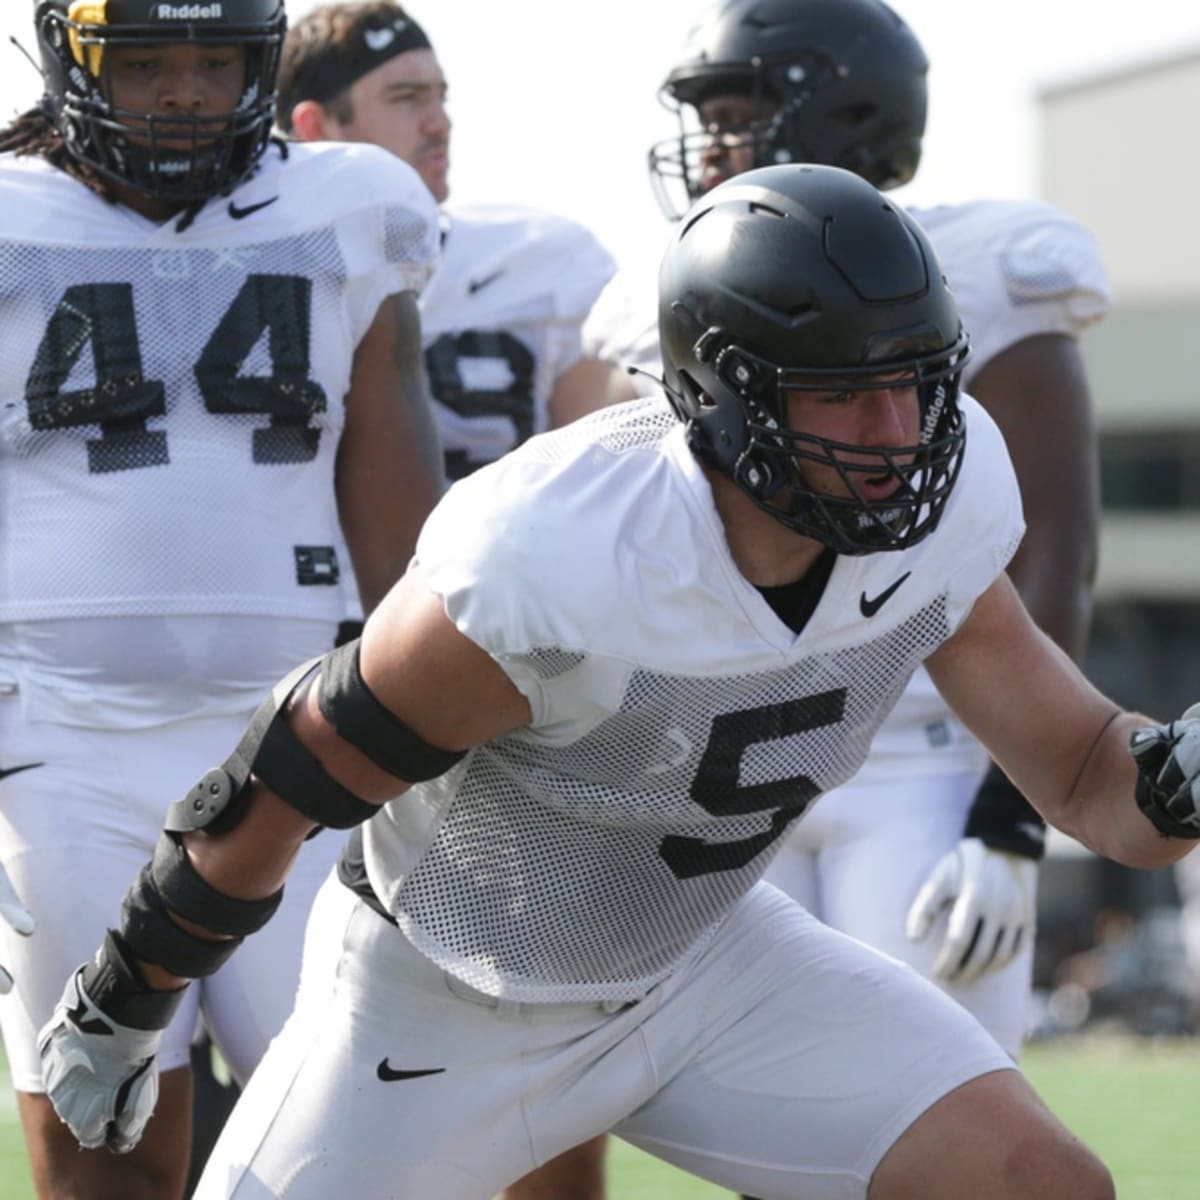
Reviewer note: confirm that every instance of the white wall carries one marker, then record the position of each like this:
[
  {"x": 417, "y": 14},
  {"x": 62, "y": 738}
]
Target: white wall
[{"x": 1123, "y": 155}]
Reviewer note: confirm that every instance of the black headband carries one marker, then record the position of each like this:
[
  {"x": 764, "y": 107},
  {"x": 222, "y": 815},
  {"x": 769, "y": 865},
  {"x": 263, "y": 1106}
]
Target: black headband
[{"x": 330, "y": 75}]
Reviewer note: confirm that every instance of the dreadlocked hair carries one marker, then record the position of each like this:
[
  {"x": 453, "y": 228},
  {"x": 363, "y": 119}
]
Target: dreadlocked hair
[{"x": 33, "y": 132}]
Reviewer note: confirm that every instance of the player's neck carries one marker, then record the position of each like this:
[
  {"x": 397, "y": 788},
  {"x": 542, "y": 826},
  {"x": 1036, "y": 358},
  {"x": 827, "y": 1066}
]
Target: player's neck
[{"x": 765, "y": 551}]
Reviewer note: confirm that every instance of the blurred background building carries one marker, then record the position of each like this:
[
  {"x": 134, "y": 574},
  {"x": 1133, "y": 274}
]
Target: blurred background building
[{"x": 1116, "y": 151}]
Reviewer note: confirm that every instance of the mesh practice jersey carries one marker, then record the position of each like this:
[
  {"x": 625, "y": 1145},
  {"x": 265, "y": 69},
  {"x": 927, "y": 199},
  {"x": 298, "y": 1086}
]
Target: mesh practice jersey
[
  {"x": 679, "y": 727},
  {"x": 1017, "y": 269},
  {"x": 173, "y": 400},
  {"x": 501, "y": 322}
]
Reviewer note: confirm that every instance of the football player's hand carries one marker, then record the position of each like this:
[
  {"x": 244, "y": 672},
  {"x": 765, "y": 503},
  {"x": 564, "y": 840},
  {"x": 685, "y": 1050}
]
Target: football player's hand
[
  {"x": 1168, "y": 763},
  {"x": 17, "y": 916},
  {"x": 989, "y": 896},
  {"x": 100, "y": 1075}
]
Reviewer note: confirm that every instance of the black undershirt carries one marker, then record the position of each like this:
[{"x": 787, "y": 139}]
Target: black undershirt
[{"x": 795, "y": 603}]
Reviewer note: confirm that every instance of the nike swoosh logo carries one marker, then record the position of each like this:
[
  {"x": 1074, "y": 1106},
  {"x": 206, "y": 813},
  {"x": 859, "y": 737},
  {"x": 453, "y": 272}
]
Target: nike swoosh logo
[
  {"x": 477, "y": 285},
  {"x": 5, "y": 773},
  {"x": 389, "y": 1075},
  {"x": 869, "y": 608},
  {"x": 240, "y": 214},
  {"x": 85, "y": 1024}
]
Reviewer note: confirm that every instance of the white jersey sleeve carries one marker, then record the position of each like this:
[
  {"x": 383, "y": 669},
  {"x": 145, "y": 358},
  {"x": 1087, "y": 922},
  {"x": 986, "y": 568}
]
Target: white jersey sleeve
[
  {"x": 1018, "y": 269},
  {"x": 173, "y": 400},
  {"x": 501, "y": 321},
  {"x": 622, "y": 327},
  {"x": 679, "y": 727}
]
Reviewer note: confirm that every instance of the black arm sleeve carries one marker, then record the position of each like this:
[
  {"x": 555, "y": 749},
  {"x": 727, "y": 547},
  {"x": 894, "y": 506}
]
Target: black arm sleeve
[{"x": 1003, "y": 819}]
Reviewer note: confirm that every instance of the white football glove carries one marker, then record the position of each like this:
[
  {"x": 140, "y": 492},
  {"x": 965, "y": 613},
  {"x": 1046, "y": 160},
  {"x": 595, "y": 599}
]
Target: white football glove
[
  {"x": 990, "y": 898},
  {"x": 17, "y": 916},
  {"x": 100, "y": 1076}
]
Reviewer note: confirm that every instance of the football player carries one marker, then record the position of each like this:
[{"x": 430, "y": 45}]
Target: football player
[
  {"x": 501, "y": 317},
  {"x": 211, "y": 361},
  {"x": 929, "y": 853},
  {"x": 625, "y": 659}
]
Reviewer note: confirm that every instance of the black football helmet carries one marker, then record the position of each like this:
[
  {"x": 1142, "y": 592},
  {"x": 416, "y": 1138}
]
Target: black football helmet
[
  {"x": 127, "y": 147},
  {"x": 843, "y": 79},
  {"x": 805, "y": 278}
]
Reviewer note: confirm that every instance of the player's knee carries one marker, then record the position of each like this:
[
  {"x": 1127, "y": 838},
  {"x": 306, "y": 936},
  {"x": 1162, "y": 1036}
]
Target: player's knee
[
  {"x": 93, "y": 1173},
  {"x": 990, "y": 1139},
  {"x": 576, "y": 1174},
  {"x": 1055, "y": 1166}
]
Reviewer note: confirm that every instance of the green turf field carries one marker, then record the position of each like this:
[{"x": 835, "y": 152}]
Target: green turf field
[{"x": 1133, "y": 1101}]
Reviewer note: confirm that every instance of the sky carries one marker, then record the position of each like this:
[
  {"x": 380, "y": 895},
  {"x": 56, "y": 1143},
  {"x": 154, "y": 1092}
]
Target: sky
[{"x": 554, "y": 102}]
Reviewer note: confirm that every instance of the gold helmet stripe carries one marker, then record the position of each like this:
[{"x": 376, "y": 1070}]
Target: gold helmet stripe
[{"x": 86, "y": 12}]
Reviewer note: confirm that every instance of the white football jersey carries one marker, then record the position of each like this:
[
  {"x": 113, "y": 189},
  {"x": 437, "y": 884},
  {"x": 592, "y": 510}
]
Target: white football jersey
[
  {"x": 622, "y": 327},
  {"x": 501, "y": 322},
  {"x": 1017, "y": 269},
  {"x": 173, "y": 401},
  {"x": 679, "y": 726}
]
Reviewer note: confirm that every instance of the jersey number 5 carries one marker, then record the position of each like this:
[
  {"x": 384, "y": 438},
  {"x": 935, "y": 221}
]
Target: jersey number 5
[
  {"x": 717, "y": 790},
  {"x": 102, "y": 315}
]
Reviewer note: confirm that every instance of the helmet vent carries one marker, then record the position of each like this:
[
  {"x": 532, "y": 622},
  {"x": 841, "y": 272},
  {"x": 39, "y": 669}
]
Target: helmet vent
[{"x": 756, "y": 206}]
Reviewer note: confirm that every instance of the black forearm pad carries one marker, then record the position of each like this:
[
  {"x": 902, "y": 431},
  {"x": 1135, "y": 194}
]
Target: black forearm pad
[
  {"x": 371, "y": 727},
  {"x": 116, "y": 987},
  {"x": 188, "y": 894},
  {"x": 150, "y": 934},
  {"x": 1150, "y": 800},
  {"x": 1002, "y": 819}
]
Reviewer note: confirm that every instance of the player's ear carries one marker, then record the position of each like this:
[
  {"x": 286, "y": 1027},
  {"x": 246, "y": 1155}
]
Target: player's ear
[{"x": 310, "y": 122}]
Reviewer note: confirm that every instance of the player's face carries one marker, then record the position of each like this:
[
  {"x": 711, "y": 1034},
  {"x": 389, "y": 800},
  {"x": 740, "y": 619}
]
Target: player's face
[
  {"x": 191, "y": 79},
  {"x": 401, "y": 106},
  {"x": 730, "y": 122},
  {"x": 886, "y": 416}
]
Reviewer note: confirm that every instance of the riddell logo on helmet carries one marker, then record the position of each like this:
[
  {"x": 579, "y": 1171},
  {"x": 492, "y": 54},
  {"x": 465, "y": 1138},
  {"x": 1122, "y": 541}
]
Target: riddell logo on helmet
[{"x": 189, "y": 12}]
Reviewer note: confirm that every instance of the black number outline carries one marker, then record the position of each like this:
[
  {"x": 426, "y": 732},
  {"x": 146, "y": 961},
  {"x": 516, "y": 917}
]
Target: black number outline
[
  {"x": 281, "y": 307},
  {"x": 716, "y": 787},
  {"x": 103, "y": 316},
  {"x": 516, "y": 402}
]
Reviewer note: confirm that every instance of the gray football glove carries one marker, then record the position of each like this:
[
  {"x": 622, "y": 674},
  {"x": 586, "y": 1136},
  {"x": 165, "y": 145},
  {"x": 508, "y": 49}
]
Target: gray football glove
[
  {"x": 989, "y": 895},
  {"x": 1168, "y": 763},
  {"x": 100, "y": 1074},
  {"x": 18, "y": 918}
]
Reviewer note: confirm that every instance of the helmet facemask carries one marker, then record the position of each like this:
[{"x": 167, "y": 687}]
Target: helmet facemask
[
  {"x": 181, "y": 158},
  {"x": 738, "y": 423},
  {"x": 677, "y": 164},
  {"x": 835, "y": 82}
]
